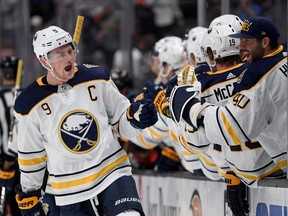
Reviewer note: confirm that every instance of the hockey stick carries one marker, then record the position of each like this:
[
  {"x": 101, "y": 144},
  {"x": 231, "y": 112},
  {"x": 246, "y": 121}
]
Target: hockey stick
[
  {"x": 10, "y": 135},
  {"x": 16, "y": 92},
  {"x": 78, "y": 29}
]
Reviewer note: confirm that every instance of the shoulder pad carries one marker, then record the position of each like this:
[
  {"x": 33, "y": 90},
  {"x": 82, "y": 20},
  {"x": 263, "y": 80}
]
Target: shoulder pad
[
  {"x": 32, "y": 95},
  {"x": 202, "y": 68},
  {"x": 88, "y": 72}
]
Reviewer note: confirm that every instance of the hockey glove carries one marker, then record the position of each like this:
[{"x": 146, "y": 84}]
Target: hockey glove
[
  {"x": 185, "y": 104},
  {"x": 186, "y": 76},
  {"x": 165, "y": 102},
  {"x": 7, "y": 179},
  {"x": 236, "y": 195},
  {"x": 170, "y": 85},
  {"x": 156, "y": 93},
  {"x": 30, "y": 203},
  {"x": 142, "y": 114}
]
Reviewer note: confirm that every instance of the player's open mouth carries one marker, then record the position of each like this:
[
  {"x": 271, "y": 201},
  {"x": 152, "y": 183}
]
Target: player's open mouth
[
  {"x": 68, "y": 68},
  {"x": 245, "y": 53}
]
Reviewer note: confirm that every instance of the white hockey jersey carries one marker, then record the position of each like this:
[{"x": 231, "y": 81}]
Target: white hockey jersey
[
  {"x": 166, "y": 131},
  {"x": 258, "y": 111},
  {"x": 70, "y": 127},
  {"x": 217, "y": 88}
]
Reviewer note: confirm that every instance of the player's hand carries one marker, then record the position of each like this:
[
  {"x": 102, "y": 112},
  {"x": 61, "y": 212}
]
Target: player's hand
[
  {"x": 170, "y": 85},
  {"x": 236, "y": 195},
  {"x": 156, "y": 93},
  {"x": 185, "y": 103},
  {"x": 164, "y": 108},
  {"x": 142, "y": 114},
  {"x": 186, "y": 76},
  {"x": 7, "y": 179},
  {"x": 29, "y": 203}
]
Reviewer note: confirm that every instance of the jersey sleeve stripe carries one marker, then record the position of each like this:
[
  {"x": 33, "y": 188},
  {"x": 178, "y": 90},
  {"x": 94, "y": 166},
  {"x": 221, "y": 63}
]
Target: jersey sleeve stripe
[
  {"x": 144, "y": 143},
  {"x": 32, "y": 171},
  {"x": 230, "y": 130},
  {"x": 31, "y": 152},
  {"x": 206, "y": 160},
  {"x": 154, "y": 133},
  {"x": 236, "y": 122},
  {"x": 31, "y": 161},
  {"x": 174, "y": 137},
  {"x": 219, "y": 125}
]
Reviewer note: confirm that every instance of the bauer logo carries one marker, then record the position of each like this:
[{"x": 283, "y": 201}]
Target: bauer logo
[
  {"x": 79, "y": 131},
  {"x": 264, "y": 209},
  {"x": 128, "y": 199}
]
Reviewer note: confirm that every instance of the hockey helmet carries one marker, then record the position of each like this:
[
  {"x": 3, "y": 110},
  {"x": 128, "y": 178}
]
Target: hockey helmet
[
  {"x": 221, "y": 45},
  {"x": 171, "y": 52},
  {"x": 9, "y": 65},
  {"x": 50, "y": 38},
  {"x": 227, "y": 19},
  {"x": 193, "y": 44},
  {"x": 160, "y": 43}
]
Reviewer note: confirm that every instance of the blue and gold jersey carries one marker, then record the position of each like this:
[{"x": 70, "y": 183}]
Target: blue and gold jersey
[{"x": 70, "y": 128}]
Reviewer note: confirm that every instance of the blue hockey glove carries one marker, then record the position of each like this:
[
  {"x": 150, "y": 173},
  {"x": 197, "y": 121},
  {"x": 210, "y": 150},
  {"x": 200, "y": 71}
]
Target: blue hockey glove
[
  {"x": 142, "y": 114},
  {"x": 30, "y": 203},
  {"x": 236, "y": 195},
  {"x": 171, "y": 84},
  {"x": 156, "y": 93},
  {"x": 185, "y": 103},
  {"x": 151, "y": 90},
  {"x": 185, "y": 76}
]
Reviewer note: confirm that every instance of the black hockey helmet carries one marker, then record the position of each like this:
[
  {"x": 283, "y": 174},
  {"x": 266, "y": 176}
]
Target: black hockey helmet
[
  {"x": 121, "y": 78},
  {"x": 8, "y": 67}
]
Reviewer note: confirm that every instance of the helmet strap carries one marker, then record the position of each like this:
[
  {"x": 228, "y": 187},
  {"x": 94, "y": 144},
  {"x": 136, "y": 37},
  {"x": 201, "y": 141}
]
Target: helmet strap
[{"x": 50, "y": 68}]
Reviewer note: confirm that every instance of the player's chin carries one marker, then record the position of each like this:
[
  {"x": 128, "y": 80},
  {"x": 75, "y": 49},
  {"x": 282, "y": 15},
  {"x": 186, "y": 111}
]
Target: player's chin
[{"x": 67, "y": 75}]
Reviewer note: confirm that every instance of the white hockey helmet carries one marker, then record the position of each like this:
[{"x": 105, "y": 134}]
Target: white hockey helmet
[
  {"x": 171, "y": 52},
  {"x": 193, "y": 44},
  {"x": 227, "y": 19},
  {"x": 48, "y": 39},
  {"x": 160, "y": 43},
  {"x": 221, "y": 45}
]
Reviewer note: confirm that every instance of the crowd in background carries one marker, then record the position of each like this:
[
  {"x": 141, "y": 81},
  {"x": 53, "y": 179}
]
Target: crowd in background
[{"x": 101, "y": 32}]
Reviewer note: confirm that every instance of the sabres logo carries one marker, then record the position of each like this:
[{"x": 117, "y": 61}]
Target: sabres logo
[{"x": 79, "y": 131}]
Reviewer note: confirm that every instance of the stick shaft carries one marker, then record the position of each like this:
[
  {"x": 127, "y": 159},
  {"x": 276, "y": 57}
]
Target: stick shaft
[{"x": 78, "y": 29}]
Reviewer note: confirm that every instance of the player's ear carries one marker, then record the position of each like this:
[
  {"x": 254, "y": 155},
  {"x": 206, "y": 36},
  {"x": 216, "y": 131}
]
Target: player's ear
[
  {"x": 42, "y": 61},
  {"x": 265, "y": 42}
]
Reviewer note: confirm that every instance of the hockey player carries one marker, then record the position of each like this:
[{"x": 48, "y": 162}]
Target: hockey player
[
  {"x": 166, "y": 130},
  {"x": 194, "y": 50},
  {"x": 8, "y": 171},
  {"x": 170, "y": 58},
  {"x": 160, "y": 69},
  {"x": 257, "y": 110},
  {"x": 217, "y": 87},
  {"x": 66, "y": 119}
]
